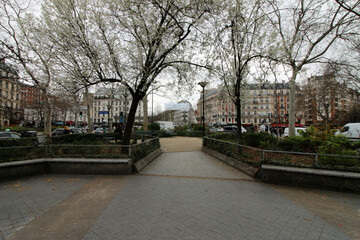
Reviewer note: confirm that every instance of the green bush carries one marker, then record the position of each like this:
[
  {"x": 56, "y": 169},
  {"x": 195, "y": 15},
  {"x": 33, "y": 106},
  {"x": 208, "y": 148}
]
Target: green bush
[
  {"x": 30, "y": 141},
  {"x": 79, "y": 139},
  {"x": 258, "y": 139},
  {"x": 223, "y": 136},
  {"x": 355, "y": 145},
  {"x": 182, "y": 130},
  {"x": 165, "y": 133},
  {"x": 154, "y": 126},
  {"x": 299, "y": 144}
]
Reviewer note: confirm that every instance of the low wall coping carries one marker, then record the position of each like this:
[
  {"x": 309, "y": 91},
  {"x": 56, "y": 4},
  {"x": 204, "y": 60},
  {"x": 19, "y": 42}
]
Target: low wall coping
[
  {"x": 66, "y": 160},
  {"x": 312, "y": 171}
]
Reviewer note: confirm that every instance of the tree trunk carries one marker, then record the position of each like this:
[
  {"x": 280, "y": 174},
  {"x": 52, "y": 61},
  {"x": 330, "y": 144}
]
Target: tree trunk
[
  {"x": 47, "y": 118},
  {"x": 88, "y": 113},
  {"x": 145, "y": 110},
  {"x": 130, "y": 120},
  {"x": 238, "y": 119},
  {"x": 292, "y": 103}
]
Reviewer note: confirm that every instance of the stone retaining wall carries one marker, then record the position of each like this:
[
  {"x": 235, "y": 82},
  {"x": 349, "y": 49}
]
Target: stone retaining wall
[
  {"x": 13, "y": 170},
  {"x": 302, "y": 177}
]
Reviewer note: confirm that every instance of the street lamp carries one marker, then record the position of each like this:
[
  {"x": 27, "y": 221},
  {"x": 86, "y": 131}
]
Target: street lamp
[
  {"x": 125, "y": 96},
  {"x": 203, "y": 84},
  {"x": 109, "y": 107}
]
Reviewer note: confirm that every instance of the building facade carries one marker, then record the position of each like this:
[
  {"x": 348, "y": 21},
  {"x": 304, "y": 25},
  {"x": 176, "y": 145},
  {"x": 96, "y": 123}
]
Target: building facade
[
  {"x": 113, "y": 104},
  {"x": 261, "y": 104},
  {"x": 10, "y": 96},
  {"x": 326, "y": 99}
]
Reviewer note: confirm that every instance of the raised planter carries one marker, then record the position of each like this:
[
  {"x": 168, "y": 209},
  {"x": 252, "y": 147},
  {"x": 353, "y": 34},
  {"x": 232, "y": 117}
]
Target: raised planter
[
  {"x": 139, "y": 165},
  {"x": 309, "y": 177},
  {"x": 245, "y": 168},
  {"x": 12, "y": 170},
  {"x": 295, "y": 176}
]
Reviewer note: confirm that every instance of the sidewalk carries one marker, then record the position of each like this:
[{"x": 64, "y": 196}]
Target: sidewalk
[{"x": 181, "y": 195}]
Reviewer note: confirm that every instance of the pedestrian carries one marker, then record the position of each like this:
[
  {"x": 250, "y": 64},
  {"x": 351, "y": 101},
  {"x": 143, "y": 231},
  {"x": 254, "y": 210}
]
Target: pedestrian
[
  {"x": 118, "y": 133},
  {"x": 67, "y": 130}
]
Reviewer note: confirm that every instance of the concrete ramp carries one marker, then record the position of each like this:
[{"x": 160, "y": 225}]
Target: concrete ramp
[{"x": 181, "y": 144}]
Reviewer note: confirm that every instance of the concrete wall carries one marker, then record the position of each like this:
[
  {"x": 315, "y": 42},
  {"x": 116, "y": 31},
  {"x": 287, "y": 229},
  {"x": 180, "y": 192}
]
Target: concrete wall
[
  {"x": 13, "y": 170},
  {"x": 294, "y": 176}
]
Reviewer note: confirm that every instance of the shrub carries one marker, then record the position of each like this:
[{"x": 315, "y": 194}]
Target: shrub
[
  {"x": 165, "y": 133},
  {"x": 154, "y": 126},
  {"x": 318, "y": 132},
  {"x": 30, "y": 141},
  {"x": 299, "y": 144},
  {"x": 79, "y": 139},
  {"x": 223, "y": 136},
  {"x": 258, "y": 139},
  {"x": 181, "y": 130}
]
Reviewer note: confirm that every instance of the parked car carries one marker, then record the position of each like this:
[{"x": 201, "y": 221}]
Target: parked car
[
  {"x": 62, "y": 131},
  {"x": 9, "y": 135},
  {"x": 99, "y": 131},
  {"x": 351, "y": 131},
  {"x": 28, "y": 134},
  {"x": 297, "y": 131},
  {"x": 233, "y": 128}
]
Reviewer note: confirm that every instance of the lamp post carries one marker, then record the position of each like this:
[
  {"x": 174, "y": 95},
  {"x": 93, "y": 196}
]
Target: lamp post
[
  {"x": 203, "y": 84},
  {"x": 109, "y": 107},
  {"x": 125, "y": 96}
]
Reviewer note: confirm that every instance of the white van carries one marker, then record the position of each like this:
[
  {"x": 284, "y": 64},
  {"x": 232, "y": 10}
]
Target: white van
[
  {"x": 233, "y": 128},
  {"x": 297, "y": 131},
  {"x": 351, "y": 131}
]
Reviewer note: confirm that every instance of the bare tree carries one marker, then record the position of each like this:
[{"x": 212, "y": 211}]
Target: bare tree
[
  {"x": 306, "y": 29},
  {"x": 238, "y": 41},
  {"x": 352, "y": 6},
  {"x": 25, "y": 43},
  {"x": 132, "y": 44}
]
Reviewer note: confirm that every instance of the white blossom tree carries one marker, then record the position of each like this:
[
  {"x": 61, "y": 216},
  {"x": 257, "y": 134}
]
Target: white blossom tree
[
  {"x": 239, "y": 38},
  {"x": 306, "y": 31},
  {"x": 23, "y": 40},
  {"x": 127, "y": 41}
]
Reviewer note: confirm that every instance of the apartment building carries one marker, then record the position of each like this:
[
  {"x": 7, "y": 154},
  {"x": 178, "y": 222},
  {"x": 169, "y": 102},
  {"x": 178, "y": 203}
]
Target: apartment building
[
  {"x": 10, "y": 95},
  {"x": 326, "y": 99},
  {"x": 113, "y": 104},
  {"x": 261, "y": 103}
]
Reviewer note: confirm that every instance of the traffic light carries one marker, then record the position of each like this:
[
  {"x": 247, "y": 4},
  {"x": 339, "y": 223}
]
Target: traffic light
[
  {"x": 121, "y": 114},
  {"x": 80, "y": 114}
]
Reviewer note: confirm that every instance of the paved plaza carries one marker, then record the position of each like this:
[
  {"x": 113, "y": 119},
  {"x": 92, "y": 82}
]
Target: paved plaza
[{"x": 183, "y": 194}]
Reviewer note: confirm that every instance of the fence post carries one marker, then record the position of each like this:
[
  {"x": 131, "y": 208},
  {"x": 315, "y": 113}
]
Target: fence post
[
  {"x": 262, "y": 156},
  {"x": 87, "y": 151},
  {"x": 50, "y": 153},
  {"x": 316, "y": 159}
]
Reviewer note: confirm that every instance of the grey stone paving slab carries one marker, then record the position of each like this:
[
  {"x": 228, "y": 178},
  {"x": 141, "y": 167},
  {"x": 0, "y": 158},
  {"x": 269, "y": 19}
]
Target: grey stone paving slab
[
  {"x": 23, "y": 200},
  {"x": 187, "y": 208},
  {"x": 195, "y": 164}
]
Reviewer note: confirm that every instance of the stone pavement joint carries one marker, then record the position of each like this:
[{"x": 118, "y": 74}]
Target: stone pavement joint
[{"x": 73, "y": 217}]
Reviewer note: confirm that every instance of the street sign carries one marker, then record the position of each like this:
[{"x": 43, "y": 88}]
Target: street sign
[{"x": 103, "y": 112}]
